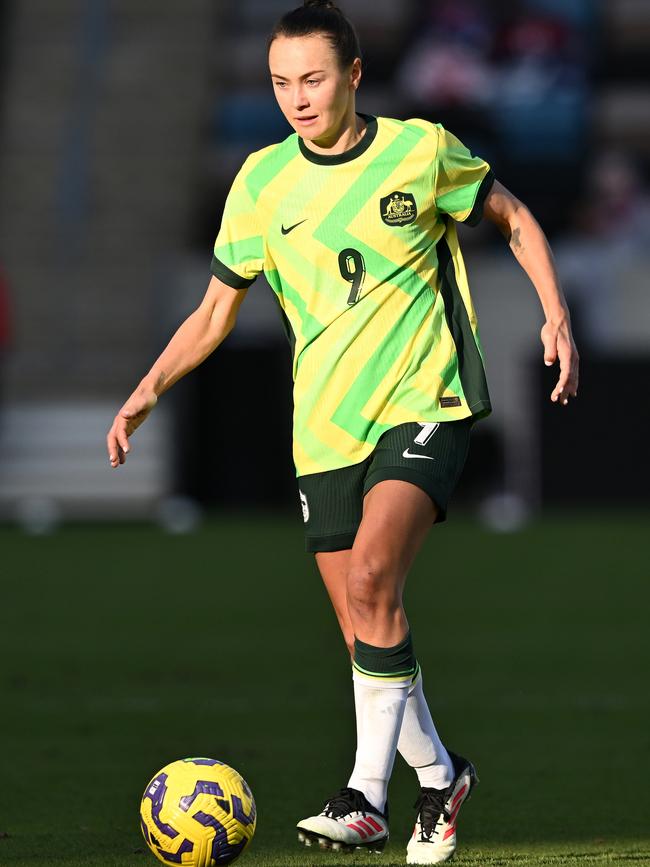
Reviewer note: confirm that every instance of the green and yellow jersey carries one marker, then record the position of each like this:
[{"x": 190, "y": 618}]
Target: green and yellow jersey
[{"x": 361, "y": 252}]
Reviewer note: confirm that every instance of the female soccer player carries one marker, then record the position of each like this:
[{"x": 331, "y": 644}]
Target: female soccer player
[{"x": 351, "y": 218}]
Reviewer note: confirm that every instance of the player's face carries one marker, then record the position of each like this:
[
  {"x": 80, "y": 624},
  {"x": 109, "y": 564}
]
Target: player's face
[{"x": 313, "y": 92}]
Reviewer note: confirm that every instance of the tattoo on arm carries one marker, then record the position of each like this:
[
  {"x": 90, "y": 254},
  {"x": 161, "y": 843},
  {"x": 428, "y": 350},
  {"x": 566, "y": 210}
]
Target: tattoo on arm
[
  {"x": 161, "y": 379},
  {"x": 515, "y": 242}
]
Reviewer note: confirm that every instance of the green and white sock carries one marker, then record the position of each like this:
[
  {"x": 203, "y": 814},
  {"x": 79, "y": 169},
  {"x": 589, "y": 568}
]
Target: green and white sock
[
  {"x": 382, "y": 677},
  {"x": 419, "y": 743}
]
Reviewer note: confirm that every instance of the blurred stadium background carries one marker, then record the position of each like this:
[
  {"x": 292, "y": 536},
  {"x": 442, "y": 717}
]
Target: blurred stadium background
[{"x": 123, "y": 125}]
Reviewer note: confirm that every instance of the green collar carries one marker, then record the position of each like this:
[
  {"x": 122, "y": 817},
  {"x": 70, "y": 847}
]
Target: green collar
[{"x": 351, "y": 154}]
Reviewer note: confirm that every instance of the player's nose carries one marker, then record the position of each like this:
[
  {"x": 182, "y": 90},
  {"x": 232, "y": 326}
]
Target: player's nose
[{"x": 300, "y": 100}]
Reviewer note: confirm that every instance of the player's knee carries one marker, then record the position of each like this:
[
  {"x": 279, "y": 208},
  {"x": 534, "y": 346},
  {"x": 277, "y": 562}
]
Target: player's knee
[{"x": 371, "y": 592}]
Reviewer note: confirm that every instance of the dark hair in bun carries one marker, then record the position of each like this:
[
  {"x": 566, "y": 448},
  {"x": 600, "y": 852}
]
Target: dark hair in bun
[{"x": 324, "y": 17}]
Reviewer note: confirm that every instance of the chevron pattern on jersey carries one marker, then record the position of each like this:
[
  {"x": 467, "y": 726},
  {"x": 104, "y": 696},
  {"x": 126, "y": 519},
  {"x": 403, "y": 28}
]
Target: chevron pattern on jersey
[{"x": 362, "y": 255}]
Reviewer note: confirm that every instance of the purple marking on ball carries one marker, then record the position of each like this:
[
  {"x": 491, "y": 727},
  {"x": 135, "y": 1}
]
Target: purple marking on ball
[
  {"x": 202, "y": 787},
  {"x": 186, "y": 846},
  {"x": 240, "y": 814},
  {"x": 145, "y": 831},
  {"x": 223, "y": 852},
  {"x": 203, "y": 761},
  {"x": 156, "y": 792}
]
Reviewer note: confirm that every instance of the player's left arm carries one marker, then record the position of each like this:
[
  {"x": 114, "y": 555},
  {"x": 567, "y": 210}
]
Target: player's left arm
[{"x": 531, "y": 249}]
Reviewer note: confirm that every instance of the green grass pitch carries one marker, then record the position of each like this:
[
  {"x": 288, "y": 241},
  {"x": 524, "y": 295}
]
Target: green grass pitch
[{"x": 122, "y": 648}]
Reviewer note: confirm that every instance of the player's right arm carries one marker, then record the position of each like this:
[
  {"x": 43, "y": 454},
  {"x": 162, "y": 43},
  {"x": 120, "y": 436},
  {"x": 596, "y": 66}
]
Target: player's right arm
[{"x": 196, "y": 338}]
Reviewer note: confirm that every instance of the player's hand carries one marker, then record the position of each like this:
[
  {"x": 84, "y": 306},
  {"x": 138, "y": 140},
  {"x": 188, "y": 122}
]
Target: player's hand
[
  {"x": 128, "y": 419},
  {"x": 559, "y": 345}
]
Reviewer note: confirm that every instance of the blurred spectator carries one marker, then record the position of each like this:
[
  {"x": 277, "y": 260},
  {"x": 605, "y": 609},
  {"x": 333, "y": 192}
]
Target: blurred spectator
[
  {"x": 447, "y": 65},
  {"x": 611, "y": 227},
  {"x": 511, "y": 80},
  {"x": 446, "y": 75},
  {"x": 542, "y": 88}
]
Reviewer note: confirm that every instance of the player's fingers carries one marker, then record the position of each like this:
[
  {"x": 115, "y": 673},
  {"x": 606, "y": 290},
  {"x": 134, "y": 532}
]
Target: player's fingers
[
  {"x": 550, "y": 348},
  {"x": 113, "y": 448},
  {"x": 561, "y": 388},
  {"x": 567, "y": 384},
  {"x": 560, "y": 395},
  {"x": 121, "y": 439},
  {"x": 571, "y": 387}
]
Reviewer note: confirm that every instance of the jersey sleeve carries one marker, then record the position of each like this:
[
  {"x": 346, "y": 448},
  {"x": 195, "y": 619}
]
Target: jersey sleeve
[
  {"x": 239, "y": 249},
  {"x": 462, "y": 181}
]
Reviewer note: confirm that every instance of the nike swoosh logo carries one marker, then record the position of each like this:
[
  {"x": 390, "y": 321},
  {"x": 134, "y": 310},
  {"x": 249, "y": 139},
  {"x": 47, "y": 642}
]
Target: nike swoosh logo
[
  {"x": 291, "y": 228},
  {"x": 407, "y": 454}
]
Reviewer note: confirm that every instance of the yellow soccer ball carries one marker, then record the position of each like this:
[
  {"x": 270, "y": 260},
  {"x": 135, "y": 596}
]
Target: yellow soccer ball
[{"x": 198, "y": 813}]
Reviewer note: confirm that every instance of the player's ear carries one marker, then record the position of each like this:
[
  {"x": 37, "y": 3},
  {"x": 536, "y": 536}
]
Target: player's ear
[{"x": 355, "y": 73}]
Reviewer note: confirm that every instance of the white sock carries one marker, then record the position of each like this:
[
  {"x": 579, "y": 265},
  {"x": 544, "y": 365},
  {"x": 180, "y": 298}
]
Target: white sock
[
  {"x": 379, "y": 710},
  {"x": 420, "y": 744}
]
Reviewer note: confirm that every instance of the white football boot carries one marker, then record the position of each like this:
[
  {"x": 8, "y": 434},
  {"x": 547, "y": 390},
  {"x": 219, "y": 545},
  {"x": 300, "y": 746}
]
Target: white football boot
[
  {"x": 434, "y": 835},
  {"x": 348, "y": 821}
]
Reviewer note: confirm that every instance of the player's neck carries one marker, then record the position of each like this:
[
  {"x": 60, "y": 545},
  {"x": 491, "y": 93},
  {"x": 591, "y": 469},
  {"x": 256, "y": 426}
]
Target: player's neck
[{"x": 349, "y": 133}]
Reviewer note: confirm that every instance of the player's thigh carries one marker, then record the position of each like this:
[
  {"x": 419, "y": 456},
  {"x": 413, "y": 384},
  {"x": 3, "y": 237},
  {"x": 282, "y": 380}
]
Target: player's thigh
[
  {"x": 411, "y": 477},
  {"x": 397, "y": 516}
]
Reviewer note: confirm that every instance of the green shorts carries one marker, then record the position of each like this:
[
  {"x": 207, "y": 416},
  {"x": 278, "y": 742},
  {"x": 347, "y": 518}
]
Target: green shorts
[{"x": 431, "y": 456}]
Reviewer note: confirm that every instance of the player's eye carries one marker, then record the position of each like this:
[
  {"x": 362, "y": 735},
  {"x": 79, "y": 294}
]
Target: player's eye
[
  {"x": 313, "y": 82},
  {"x": 280, "y": 84}
]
